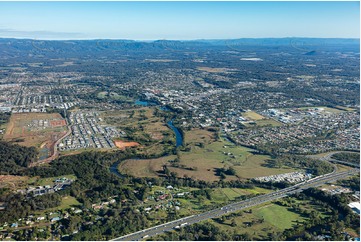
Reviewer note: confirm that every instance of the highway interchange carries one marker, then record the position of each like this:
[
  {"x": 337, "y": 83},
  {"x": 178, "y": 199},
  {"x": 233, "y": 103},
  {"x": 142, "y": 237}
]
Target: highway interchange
[
  {"x": 237, "y": 206},
  {"x": 328, "y": 157}
]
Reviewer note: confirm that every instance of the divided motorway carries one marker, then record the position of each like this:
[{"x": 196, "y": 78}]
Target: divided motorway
[{"x": 234, "y": 207}]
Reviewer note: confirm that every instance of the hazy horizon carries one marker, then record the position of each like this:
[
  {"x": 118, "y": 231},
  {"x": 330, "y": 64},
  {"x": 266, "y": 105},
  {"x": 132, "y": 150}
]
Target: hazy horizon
[
  {"x": 183, "y": 40},
  {"x": 178, "y": 20}
]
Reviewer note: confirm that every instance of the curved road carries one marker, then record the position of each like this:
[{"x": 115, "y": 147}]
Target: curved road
[
  {"x": 317, "y": 181},
  {"x": 327, "y": 157},
  {"x": 55, "y": 149}
]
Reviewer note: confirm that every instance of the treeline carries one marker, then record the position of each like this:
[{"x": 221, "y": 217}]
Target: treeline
[
  {"x": 316, "y": 167},
  {"x": 345, "y": 156},
  {"x": 353, "y": 183},
  {"x": 202, "y": 232},
  {"x": 62, "y": 112},
  {"x": 14, "y": 158},
  {"x": 4, "y": 117}
]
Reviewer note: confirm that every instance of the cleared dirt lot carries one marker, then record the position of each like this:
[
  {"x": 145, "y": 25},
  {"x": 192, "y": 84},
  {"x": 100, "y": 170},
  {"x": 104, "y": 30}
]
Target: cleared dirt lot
[{"x": 40, "y": 130}]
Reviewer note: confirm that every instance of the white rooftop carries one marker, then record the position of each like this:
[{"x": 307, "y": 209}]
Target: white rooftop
[{"x": 356, "y": 206}]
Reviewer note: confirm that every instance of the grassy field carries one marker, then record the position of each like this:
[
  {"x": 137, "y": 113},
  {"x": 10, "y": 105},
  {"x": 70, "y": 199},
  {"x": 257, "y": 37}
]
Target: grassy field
[
  {"x": 341, "y": 168},
  {"x": 199, "y": 136},
  {"x": 219, "y": 154},
  {"x": 278, "y": 216},
  {"x": 250, "y": 222},
  {"x": 68, "y": 202},
  {"x": 102, "y": 94},
  {"x": 221, "y": 195},
  {"x": 13, "y": 182},
  {"x": 263, "y": 122},
  {"x": 50, "y": 180},
  {"x": 227, "y": 195},
  {"x": 144, "y": 167},
  {"x": 252, "y": 115},
  {"x": 346, "y": 108},
  {"x": 202, "y": 161}
]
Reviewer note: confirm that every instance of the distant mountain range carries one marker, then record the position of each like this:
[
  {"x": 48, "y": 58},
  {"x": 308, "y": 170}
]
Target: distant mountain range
[
  {"x": 270, "y": 41},
  {"x": 10, "y": 46}
]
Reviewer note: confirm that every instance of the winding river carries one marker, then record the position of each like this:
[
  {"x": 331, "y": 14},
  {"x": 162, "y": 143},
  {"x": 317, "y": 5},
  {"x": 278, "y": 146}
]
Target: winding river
[{"x": 178, "y": 137}]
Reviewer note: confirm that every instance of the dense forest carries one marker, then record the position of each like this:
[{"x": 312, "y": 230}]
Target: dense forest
[{"x": 14, "y": 158}]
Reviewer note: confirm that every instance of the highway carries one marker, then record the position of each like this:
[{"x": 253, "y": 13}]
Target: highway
[
  {"x": 237, "y": 206},
  {"x": 327, "y": 157}
]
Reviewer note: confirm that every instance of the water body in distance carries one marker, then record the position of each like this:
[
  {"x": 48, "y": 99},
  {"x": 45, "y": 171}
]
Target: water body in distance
[{"x": 144, "y": 103}]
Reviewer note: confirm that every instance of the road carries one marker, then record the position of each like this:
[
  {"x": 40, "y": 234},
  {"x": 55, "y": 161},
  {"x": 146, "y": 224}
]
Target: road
[
  {"x": 234, "y": 207},
  {"x": 327, "y": 157},
  {"x": 55, "y": 150}
]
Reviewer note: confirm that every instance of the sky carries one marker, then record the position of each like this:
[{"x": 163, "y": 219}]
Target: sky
[{"x": 178, "y": 20}]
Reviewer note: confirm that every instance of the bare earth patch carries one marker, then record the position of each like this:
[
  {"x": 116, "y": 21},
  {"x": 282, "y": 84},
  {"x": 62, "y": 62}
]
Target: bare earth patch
[
  {"x": 122, "y": 144},
  {"x": 215, "y": 70}
]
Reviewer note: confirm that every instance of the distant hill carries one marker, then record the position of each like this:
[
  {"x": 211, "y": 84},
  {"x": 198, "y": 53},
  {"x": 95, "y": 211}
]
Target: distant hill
[
  {"x": 20, "y": 47},
  {"x": 285, "y": 41}
]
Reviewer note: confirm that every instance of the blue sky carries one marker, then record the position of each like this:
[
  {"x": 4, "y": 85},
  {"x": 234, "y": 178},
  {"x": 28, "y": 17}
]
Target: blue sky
[{"x": 178, "y": 20}]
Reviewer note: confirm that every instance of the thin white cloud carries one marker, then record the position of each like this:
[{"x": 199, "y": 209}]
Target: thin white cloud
[{"x": 39, "y": 34}]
